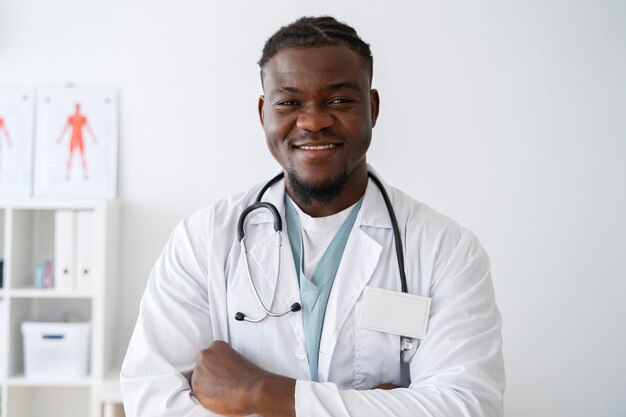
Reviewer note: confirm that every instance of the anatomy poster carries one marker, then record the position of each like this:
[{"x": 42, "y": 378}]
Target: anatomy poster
[
  {"x": 17, "y": 106},
  {"x": 76, "y": 142}
]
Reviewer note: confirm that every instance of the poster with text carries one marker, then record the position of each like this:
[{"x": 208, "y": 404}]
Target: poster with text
[
  {"x": 76, "y": 142},
  {"x": 17, "y": 107}
]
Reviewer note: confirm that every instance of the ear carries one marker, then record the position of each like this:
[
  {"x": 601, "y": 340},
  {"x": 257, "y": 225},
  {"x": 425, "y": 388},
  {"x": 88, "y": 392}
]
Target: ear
[
  {"x": 375, "y": 105},
  {"x": 261, "y": 112}
]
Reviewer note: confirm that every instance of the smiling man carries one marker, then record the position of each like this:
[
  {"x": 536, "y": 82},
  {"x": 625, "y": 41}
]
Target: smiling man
[
  {"x": 318, "y": 115},
  {"x": 233, "y": 324}
]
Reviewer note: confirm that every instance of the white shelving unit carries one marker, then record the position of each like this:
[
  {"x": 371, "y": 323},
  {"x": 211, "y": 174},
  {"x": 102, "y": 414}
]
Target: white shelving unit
[{"x": 27, "y": 236}]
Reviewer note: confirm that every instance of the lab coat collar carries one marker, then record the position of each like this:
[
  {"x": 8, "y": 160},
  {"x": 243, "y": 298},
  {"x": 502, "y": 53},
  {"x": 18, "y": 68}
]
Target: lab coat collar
[{"x": 373, "y": 211}]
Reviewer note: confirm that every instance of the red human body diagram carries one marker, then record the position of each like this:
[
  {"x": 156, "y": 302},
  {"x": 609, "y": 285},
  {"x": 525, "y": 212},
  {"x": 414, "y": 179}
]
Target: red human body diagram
[
  {"x": 77, "y": 123},
  {"x": 4, "y": 133}
]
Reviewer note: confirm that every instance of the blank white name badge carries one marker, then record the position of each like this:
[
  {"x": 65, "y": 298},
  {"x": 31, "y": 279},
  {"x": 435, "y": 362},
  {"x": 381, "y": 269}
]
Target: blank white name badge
[{"x": 395, "y": 312}]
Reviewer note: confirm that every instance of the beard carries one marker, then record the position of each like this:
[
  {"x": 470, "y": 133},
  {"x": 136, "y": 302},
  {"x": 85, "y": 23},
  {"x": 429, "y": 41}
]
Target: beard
[{"x": 323, "y": 193}]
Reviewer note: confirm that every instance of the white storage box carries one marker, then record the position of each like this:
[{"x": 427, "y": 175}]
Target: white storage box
[{"x": 56, "y": 350}]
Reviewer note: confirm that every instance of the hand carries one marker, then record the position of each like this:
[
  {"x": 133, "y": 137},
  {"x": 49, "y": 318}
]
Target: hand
[
  {"x": 387, "y": 386},
  {"x": 227, "y": 383},
  {"x": 221, "y": 378}
]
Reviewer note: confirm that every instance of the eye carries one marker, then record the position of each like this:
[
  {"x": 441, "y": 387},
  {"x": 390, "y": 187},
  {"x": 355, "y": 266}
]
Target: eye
[
  {"x": 341, "y": 100},
  {"x": 287, "y": 103}
]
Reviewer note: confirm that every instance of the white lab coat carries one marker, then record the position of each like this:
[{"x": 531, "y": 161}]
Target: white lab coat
[{"x": 200, "y": 282}]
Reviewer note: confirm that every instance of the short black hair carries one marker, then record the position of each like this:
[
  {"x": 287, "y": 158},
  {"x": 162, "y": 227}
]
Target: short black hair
[{"x": 312, "y": 32}]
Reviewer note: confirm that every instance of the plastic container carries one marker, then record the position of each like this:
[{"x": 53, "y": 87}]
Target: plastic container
[{"x": 56, "y": 350}]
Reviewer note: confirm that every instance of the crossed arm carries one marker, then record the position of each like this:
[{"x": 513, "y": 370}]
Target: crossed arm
[
  {"x": 457, "y": 371},
  {"x": 226, "y": 383}
]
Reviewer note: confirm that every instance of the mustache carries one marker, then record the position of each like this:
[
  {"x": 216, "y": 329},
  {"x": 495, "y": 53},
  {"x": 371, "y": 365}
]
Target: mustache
[{"x": 314, "y": 137}]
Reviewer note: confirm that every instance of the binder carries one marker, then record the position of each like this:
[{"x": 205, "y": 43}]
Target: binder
[
  {"x": 3, "y": 342},
  {"x": 64, "y": 244},
  {"x": 84, "y": 250}
]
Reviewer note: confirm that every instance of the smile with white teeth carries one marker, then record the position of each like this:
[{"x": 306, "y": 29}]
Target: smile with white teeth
[{"x": 317, "y": 147}]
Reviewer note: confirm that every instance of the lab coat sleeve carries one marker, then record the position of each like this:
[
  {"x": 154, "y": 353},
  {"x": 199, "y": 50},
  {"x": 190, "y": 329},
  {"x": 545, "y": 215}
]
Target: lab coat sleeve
[
  {"x": 457, "y": 371},
  {"x": 172, "y": 328}
]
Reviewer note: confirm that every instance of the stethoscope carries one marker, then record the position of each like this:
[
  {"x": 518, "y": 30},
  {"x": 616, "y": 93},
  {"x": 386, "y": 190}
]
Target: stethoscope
[{"x": 408, "y": 345}]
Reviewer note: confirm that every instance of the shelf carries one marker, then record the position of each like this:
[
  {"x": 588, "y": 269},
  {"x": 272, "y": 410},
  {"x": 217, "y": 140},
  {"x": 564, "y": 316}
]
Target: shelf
[
  {"x": 56, "y": 203},
  {"x": 111, "y": 391},
  {"x": 48, "y": 400},
  {"x": 79, "y": 236},
  {"x": 22, "y": 381},
  {"x": 38, "y": 293}
]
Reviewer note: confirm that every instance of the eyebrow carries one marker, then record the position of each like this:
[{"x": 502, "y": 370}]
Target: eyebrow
[
  {"x": 329, "y": 88},
  {"x": 345, "y": 84},
  {"x": 291, "y": 90}
]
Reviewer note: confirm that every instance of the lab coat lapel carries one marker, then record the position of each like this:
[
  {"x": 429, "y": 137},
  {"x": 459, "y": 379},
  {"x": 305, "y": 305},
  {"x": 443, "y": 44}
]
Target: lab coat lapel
[
  {"x": 359, "y": 261},
  {"x": 264, "y": 254}
]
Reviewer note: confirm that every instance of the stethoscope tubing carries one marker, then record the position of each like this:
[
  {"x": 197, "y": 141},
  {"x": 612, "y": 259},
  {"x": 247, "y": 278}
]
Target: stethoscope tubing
[
  {"x": 397, "y": 241},
  {"x": 258, "y": 204},
  {"x": 268, "y": 311}
]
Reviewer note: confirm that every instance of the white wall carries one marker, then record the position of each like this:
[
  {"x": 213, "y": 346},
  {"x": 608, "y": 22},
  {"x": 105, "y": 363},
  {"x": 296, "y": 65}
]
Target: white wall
[{"x": 507, "y": 116}]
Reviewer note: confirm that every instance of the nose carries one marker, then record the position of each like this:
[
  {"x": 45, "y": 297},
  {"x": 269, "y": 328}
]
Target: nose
[{"x": 315, "y": 119}]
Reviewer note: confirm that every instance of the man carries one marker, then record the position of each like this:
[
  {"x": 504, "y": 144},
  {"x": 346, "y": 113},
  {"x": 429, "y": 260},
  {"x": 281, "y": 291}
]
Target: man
[{"x": 194, "y": 354}]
